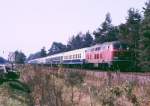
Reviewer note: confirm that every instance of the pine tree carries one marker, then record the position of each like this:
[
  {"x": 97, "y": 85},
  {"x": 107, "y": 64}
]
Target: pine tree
[
  {"x": 129, "y": 33},
  {"x": 87, "y": 39},
  {"x": 144, "y": 42},
  {"x": 19, "y": 57},
  {"x": 76, "y": 42},
  {"x": 56, "y": 47},
  {"x": 107, "y": 32}
]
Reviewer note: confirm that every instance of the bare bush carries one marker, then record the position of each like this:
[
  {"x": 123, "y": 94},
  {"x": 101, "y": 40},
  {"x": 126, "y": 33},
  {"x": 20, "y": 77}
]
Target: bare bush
[
  {"x": 74, "y": 79},
  {"x": 45, "y": 91}
]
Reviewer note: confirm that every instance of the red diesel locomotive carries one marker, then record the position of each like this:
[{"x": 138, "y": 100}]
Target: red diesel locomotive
[{"x": 109, "y": 54}]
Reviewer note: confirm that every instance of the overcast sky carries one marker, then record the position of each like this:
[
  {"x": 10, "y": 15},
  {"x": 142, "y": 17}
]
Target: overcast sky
[{"x": 28, "y": 25}]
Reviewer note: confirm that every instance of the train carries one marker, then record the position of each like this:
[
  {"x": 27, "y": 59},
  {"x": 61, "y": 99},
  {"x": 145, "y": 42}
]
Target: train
[{"x": 108, "y": 54}]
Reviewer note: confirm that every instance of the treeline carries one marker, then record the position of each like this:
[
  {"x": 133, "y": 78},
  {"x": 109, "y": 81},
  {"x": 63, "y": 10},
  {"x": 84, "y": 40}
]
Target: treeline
[{"x": 135, "y": 32}]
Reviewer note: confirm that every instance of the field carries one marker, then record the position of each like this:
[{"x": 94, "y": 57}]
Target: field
[{"x": 45, "y": 86}]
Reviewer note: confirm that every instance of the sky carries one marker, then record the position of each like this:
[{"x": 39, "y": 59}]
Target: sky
[{"x": 28, "y": 25}]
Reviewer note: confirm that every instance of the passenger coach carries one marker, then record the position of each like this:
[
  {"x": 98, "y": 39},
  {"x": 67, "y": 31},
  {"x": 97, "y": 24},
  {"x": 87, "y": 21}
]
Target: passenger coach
[{"x": 74, "y": 56}]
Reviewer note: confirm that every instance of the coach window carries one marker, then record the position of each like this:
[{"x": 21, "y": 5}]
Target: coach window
[
  {"x": 80, "y": 56},
  {"x": 76, "y": 56}
]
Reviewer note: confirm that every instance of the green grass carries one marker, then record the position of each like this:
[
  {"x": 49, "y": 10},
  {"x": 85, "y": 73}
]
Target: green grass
[{"x": 13, "y": 94}]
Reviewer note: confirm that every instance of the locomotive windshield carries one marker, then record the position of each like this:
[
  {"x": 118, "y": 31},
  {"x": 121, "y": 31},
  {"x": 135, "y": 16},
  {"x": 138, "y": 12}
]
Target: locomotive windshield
[{"x": 121, "y": 46}]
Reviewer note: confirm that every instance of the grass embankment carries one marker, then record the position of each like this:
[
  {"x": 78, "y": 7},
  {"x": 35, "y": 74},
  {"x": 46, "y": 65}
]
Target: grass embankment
[
  {"x": 50, "y": 87},
  {"x": 12, "y": 91},
  {"x": 63, "y": 88}
]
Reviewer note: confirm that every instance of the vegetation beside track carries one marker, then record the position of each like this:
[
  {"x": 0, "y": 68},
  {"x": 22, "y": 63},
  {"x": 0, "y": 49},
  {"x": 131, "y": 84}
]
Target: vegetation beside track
[{"x": 75, "y": 87}]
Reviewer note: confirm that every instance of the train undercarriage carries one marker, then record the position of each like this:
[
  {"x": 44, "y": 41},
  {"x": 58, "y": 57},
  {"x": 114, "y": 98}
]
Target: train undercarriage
[{"x": 110, "y": 66}]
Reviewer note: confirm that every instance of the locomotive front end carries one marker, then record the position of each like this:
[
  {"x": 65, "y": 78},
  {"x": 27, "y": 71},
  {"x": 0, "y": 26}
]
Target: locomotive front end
[{"x": 121, "y": 55}]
